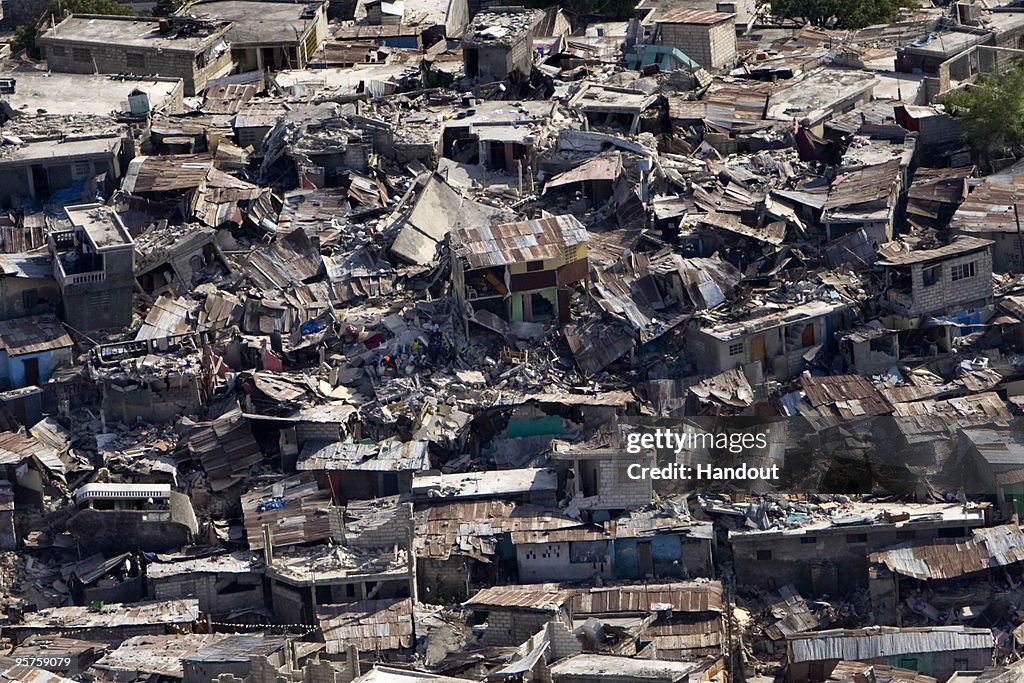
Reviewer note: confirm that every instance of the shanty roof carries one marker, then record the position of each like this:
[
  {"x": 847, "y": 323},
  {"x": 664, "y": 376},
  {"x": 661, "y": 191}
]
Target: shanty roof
[
  {"x": 1000, "y": 448},
  {"x": 993, "y": 206},
  {"x": 987, "y": 548},
  {"x": 532, "y": 240},
  {"x": 852, "y": 672},
  {"x": 846, "y": 396},
  {"x": 29, "y": 674},
  {"x": 588, "y": 665},
  {"x": 601, "y": 167},
  {"x": 533, "y": 597},
  {"x": 682, "y": 596},
  {"x": 156, "y": 655},
  {"x": 370, "y": 625},
  {"x": 33, "y": 335},
  {"x": 238, "y": 648},
  {"x": 16, "y": 448},
  {"x": 166, "y": 173},
  {"x": 295, "y": 510},
  {"x": 958, "y": 247},
  {"x": 494, "y": 483},
  {"x": 385, "y": 456},
  {"x": 472, "y": 529},
  {"x": 682, "y": 15},
  {"x": 114, "y": 615},
  {"x": 883, "y": 641}
]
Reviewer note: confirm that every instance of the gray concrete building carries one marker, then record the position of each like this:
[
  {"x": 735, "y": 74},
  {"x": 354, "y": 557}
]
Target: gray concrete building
[
  {"x": 93, "y": 265},
  {"x": 705, "y": 36},
  {"x": 499, "y": 42},
  {"x": 194, "y": 51}
]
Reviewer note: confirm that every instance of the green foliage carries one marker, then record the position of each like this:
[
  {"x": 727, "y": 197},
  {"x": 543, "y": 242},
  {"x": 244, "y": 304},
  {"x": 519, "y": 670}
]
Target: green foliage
[
  {"x": 993, "y": 114},
  {"x": 25, "y": 35},
  {"x": 58, "y": 7},
  {"x": 25, "y": 39},
  {"x": 165, "y": 8},
  {"x": 840, "y": 13}
]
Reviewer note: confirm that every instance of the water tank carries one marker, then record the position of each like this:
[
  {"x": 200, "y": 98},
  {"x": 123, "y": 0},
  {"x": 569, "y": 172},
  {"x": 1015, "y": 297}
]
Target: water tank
[{"x": 138, "y": 102}]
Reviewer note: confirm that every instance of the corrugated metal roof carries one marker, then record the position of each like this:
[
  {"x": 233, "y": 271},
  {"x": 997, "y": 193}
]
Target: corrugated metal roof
[
  {"x": 536, "y": 597},
  {"x": 159, "y": 655},
  {"x": 940, "y": 559},
  {"x": 958, "y": 247},
  {"x": 532, "y": 240},
  {"x": 33, "y": 335},
  {"x": 694, "y": 596},
  {"x": 112, "y": 615},
  {"x": 693, "y": 16},
  {"x": 385, "y": 456},
  {"x": 370, "y": 625},
  {"x": 881, "y": 641}
]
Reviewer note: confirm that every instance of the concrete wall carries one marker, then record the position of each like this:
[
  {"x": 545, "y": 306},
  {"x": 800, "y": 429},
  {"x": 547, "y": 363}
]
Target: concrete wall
[
  {"x": 512, "y": 627},
  {"x": 69, "y": 55},
  {"x": 821, "y": 563},
  {"x": 712, "y": 46},
  {"x": 672, "y": 557},
  {"x": 155, "y": 402},
  {"x": 947, "y": 295},
  {"x": 12, "y": 368},
  {"x": 12, "y": 296},
  {"x": 1007, "y": 252},
  {"x": 555, "y": 561},
  {"x": 218, "y": 594}
]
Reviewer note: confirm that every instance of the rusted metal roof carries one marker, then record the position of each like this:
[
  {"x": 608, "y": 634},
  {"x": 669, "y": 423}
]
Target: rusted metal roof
[
  {"x": 29, "y": 674},
  {"x": 602, "y": 167},
  {"x": 694, "y": 596},
  {"x": 534, "y": 597},
  {"x": 472, "y": 529},
  {"x": 156, "y": 655},
  {"x": 958, "y": 247},
  {"x": 532, "y": 240},
  {"x": 851, "y": 672},
  {"x": 693, "y": 16},
  {"x": 295, "y": 509},
  {"x": 33, "y": 335},
  {"x": 370, "y": 625},
  {"x": 846, "y": 396},
  {"x": 166, "y": 173},
  {"x": 988, "y": 548},
  {"x": 112, "y": 616},
  {"x": 866, "y": 186},
  {"x": 992, "y": 207}
]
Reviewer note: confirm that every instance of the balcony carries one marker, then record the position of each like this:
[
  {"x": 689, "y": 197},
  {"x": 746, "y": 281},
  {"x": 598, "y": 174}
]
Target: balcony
[{"x": 71, "y": 266}]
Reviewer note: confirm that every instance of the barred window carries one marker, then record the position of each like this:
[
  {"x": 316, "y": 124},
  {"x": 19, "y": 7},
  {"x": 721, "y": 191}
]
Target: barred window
[
  {"x": 81, "y": 54},
  {"x": 962, "y": 271}
]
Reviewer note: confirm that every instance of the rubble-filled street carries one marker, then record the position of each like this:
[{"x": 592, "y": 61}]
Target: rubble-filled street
[{"x": 401, "y": 341}]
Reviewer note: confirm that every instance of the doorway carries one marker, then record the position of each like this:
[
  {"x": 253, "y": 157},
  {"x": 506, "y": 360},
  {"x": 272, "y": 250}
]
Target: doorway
[{"x": 31, "y": 366}]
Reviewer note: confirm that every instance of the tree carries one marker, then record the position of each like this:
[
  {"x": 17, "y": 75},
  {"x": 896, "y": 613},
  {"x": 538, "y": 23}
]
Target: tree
[
  {"x": 993, "y": 113},
  {"x": 25, "y": 35},
  {"x": 840, "y": 13}
]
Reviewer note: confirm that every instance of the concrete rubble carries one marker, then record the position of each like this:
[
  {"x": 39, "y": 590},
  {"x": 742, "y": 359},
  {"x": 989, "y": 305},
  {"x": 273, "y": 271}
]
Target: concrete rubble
[{"x": 331, "y": 335}]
